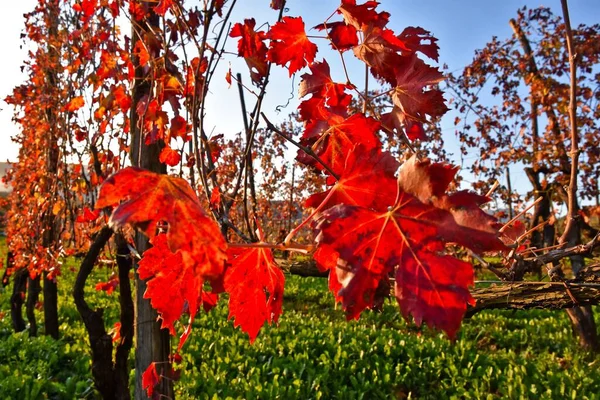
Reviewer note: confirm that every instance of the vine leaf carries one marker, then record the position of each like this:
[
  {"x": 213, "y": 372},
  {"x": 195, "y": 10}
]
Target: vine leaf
[
  {"x": 174, "y": 278},
  {"x": 255, "y": 286},
  {"x": 150, "y": 379},
  {"x": 362, "y": 247},
  {"x": 429, "y": 182},
  {"x": 147, "y": 198},
  {"x": 251, "y": 46},
  {"x": 289, "y": 44},
  {"x": 362, "y": 183},
  {"x": 339, "y": 137}
]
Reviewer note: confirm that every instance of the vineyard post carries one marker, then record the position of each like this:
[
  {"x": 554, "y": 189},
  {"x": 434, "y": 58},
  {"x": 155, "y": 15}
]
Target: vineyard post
[{"x": 152, "y": 343}]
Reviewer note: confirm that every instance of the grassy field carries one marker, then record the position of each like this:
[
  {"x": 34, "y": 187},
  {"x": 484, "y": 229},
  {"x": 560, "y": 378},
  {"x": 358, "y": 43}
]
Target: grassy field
[{"x": 315, "y": 353}]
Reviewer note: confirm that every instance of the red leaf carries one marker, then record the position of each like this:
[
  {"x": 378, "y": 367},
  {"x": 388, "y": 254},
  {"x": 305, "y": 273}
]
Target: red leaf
[
  {"x": 412, "y": 79},
  {"x": 150, "y": 379},
  {"x": 362, "y": 15},
  {"x": 169, "y": 156},
  {"x": 362, "y": 247},
  {"x": 228, "y": 76},
  {"x": 343, "y": 37},
  {"x": 122, "y": 99},
  {"x": 361, "y": 182},
  {"x": 289, "y": 44},
  {"x": 320, "y": 85},
  {"x": 341, "y": 136},
  {"x": 379, "y": 50},
  {"x": 255, "y": 286},
  {"x": 88, "y": 7},
  {"x": 116, "y": 333},
  {"x": 163, "y": 6},
  {"x": 88, "y": 215},
  {"x": 276, "y": 4},
  {"x": 141, "y": 52},
  {"x": 251, "y": 46},
  {"x": 148, "y": 198},
  {"x": 75, "y": 104},
  {"x": 470, "y": 226},
  {"x": 180, "y": 128},
  {"x": 109, "y": 286},
  {"x": 418, "y": 39}
]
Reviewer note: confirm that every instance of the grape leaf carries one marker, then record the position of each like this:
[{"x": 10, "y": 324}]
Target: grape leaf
[
  {"x": 251, "y": 46},
  {"x": 255, "y": 286},
  {"x": 289, "y": 44},
  {"x": 171, "y": 287},
  {"x": 149, "y": 198},
  {"x": 343, "y": 37},
  {"x": 418, "y": 39},
  {"x": 429, "y": 182},
  {"x": 320, "y": 85},
  {"x": 363, "y": 15},
  {"x": 361, "y": 182},
  {"x": 341, "y": 136},
  {"x": 412, "y": 79},
  {"x": 169, "y": 156},
  {"x": 362, "y": 247},
  {"x": 150, "y": 379}
]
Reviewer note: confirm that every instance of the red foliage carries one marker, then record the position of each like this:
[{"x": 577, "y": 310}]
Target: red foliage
[
  {"x": 255, "y": 286},
  {"x": 289, "y": 44}
]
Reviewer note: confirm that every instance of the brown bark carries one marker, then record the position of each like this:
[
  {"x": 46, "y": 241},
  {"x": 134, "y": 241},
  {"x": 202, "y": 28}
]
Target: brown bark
[
  {"x": 33, "y": 294},
  {"x": 582, "y": 318},
  {"x": 111, "y": 379},
  {"x": 17, "y": 299},
  {"x": 306, "y": 267},
  {"x": 127, "y": 317},
  {"x": 152, "y": 343},
  {"x": 49, "y": 238}
]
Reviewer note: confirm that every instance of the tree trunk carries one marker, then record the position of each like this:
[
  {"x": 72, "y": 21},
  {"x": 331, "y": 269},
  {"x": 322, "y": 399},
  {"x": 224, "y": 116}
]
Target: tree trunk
[
  {"x": 17, "y": 299},
  {"x": 33, "y": 294},
  {"x": 152, "y": 343},
  {"x": 124, "y": 264},
  {"x": 49, "y": 238},
  {"x": 584, "y": 325},
  {"x": 50, "y": 306}
]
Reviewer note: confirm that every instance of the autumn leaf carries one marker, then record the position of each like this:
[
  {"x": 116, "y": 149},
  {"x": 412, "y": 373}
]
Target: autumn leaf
[
  {"x": 87, "y": 7},
  {"x": 429, "y": 182},
  {"x": 150, "y": 379},
  {"x": 413, "y": 94},
  {"x": 341, "y": 136},
  {"x": 255, "y": 286},
  {"x": 362, "y": 15},
  {"x": 169, "y": 156},
  {"x": 75, "y": 104},
  {"x": 419, "y": 39},
  {"x": 144, "y": 199},
  {"x": 362, "y": 247},
  {"x": 379, "y": 49},
  {"x": 367, "y": 180},
  {"x": 320, "y": 85},
  {"x": 171, "y": 286},
  {"x": 141, "y": 52},
  {"x": 163, "y": 6},
  {"x": 342, "y": 36},
  {"x": 251, "y": 46},
  {"x": 289, "y": 44}
]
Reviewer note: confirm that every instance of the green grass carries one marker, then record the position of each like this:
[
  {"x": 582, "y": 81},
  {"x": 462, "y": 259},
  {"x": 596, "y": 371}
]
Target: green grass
[{"x": 315, "y": 353}]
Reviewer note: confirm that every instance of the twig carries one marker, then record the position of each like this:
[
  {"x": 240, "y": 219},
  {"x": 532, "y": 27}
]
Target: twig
[
  {"x": 305, "y": 149},
  {"x": 572, "y": 193},
  {"x": 520, "y": 214}
]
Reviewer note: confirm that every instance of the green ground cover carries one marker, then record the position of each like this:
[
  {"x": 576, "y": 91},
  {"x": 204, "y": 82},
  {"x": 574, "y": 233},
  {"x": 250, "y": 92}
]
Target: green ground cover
[{"x": 315, "y": 353}]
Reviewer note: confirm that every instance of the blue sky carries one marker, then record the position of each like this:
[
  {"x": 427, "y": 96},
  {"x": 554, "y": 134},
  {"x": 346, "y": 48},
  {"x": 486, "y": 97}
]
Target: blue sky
[{"x": 461, "y": 27}]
